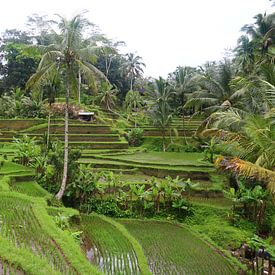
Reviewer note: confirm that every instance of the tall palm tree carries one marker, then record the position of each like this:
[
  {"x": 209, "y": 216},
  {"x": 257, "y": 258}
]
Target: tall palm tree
[
  {"x": 184, "y": 84},
  {"x": 262, "y": 32},
  {"x": 160, "y": 108},
  {"x": 245, "y": 54},
  {"x": 133, "y": 101},
  {"x": 133, "y": 67},
  {"x": 65, "y": 57},
  {"x": 107, "y": 96},
  {"x": 263, "y": 24}
]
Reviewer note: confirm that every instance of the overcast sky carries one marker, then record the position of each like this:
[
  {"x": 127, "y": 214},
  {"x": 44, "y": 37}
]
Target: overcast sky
[{"x": 165, "y": 33}]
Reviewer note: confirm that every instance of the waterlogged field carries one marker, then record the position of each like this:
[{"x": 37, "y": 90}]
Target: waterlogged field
[
  {"x": 19, "y": 224},
  {"x": 171, "y": 249},
  {"x": 106, "y": 247}
]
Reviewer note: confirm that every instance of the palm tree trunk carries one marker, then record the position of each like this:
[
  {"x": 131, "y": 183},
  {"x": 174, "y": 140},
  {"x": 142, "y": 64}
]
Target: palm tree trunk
[
  {"x": 131, "y": 83},
  {"x": 48, "y": 132},
  {"x": 183, "y": 128},
  {"x": 79, "y": 86},
  {"x": 163, "y": 140},
  {"x": 60, "y": 193}
]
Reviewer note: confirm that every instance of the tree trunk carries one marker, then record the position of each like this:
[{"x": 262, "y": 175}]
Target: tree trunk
[
  {"x": 131, "y": 83},
  {"x": 79, "y": 86},
  {"x": 163, "y": 140},
  {"x": 183, "y": 128},
  {"x": 60, "y": 193},
  {"x": 269, "y": 267},
  {"x": 48, "y": 132}
]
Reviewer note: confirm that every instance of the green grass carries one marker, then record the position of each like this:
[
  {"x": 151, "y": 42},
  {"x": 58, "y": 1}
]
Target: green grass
[
  {"x": 13, "y": 168},
  {"x": 172, "y": 249},
  {"x": 26, "y": 224},
  {"x": 165, "y": 158},
  {"x": 107, "y": 247},
  {"x": 217, "y": 202},
  {"x": 211, "y": 221},
  {"x": 115, "y": 164},
  {"x": 21, "y": 261},
  {"x": 21, "y": 227},
  {"x": 30, "y": 188}
]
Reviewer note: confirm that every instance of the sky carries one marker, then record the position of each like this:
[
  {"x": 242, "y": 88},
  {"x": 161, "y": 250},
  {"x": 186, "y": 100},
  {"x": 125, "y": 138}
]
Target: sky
[{"x": 165, "y": 33}]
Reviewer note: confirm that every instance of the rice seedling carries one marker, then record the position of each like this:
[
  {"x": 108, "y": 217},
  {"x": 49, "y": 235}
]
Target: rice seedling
[
  {"x": 107, "y": 247},
  {"x": 172, "y": 249},
  {"x": 19, "y": 225}
]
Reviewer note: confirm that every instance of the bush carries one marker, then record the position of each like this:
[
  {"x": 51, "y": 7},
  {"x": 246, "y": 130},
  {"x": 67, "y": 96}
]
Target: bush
[
  {"x": 177, "y": 147},
  {"x": 213, "y": 223},
  {"x": 135, "y": 137},
  {"x": 153, "y": 144}
]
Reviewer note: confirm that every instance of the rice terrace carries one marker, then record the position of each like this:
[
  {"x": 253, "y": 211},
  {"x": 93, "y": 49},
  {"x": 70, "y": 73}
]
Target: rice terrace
[{"x": 104, "y": 170}]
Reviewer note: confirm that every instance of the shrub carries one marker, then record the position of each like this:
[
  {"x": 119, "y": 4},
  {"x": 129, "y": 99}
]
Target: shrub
[{"x": 135, "y": 137}]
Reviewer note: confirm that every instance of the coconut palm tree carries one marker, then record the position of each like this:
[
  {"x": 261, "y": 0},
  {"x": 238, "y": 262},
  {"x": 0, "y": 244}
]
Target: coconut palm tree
[
  {"x": 107, "y": 96},
  {"x": 65, "y": 57},
  {"x": 263, "y": 24},
  {"x": 262, "y": 34},
  {"x": 252, "y": 137},
  {"x": 133, "y": 101},
  {"x": 184, "y": 84},
  {"x": 245, "y": 54},
  {"x": 159, "y": 107},
  {"x": 133, "y": 67},
  {"x": 215, "y": 92}
]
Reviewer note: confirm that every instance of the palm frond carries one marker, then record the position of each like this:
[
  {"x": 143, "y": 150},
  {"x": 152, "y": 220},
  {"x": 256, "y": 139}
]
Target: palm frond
[
  {"x": 48, "y": 58},
  {"x": 42, "y": 76},
  {"x": 90, "y": 71},
  {"x": 248, "y": 170}
]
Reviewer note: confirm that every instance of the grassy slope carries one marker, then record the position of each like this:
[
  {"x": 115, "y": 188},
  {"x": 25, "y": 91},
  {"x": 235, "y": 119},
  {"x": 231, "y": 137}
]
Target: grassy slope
[
  {"x": 27, "y": 229},
  {"x": 30, "y": 188},
  {"x": 211, "y": 221},
  {"x": 172, "y": 249}
]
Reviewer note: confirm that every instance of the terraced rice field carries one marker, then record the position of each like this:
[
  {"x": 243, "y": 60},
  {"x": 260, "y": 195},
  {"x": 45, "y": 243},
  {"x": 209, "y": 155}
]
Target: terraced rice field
[
  {"x": 106, "y": 247},
  {"x": 167, "y": 158},
  {"x": 19, "y": 225},
  {"x": 30, "y": 188},
  {"x": 171, "y": 249},
  {"x": 6, "y": 268},
  {"x": 218, "y": 202}
]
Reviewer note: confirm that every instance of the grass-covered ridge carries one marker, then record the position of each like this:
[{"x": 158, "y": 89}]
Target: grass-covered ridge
[{"x": 27, "y": 229}]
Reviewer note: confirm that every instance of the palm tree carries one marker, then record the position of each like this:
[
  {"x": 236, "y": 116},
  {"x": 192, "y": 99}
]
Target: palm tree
[
  {"x": 133, "y": 102},
  {"x": 184, "y": 84},
  {"x": 262, "y": 32},
  {"x": 248, "y": 170},
  {"x": 160, "y": 109},
  {"x": 133, "y": 67},
  {"x": 245, "y": 54},
  {"x": 215, "y": 91},
  {"x": 263, "y": 24},
  {"x": 65, "y": 57},
  {"x": 107, "y": 96},
  {"x": 250, "y": 138}
]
